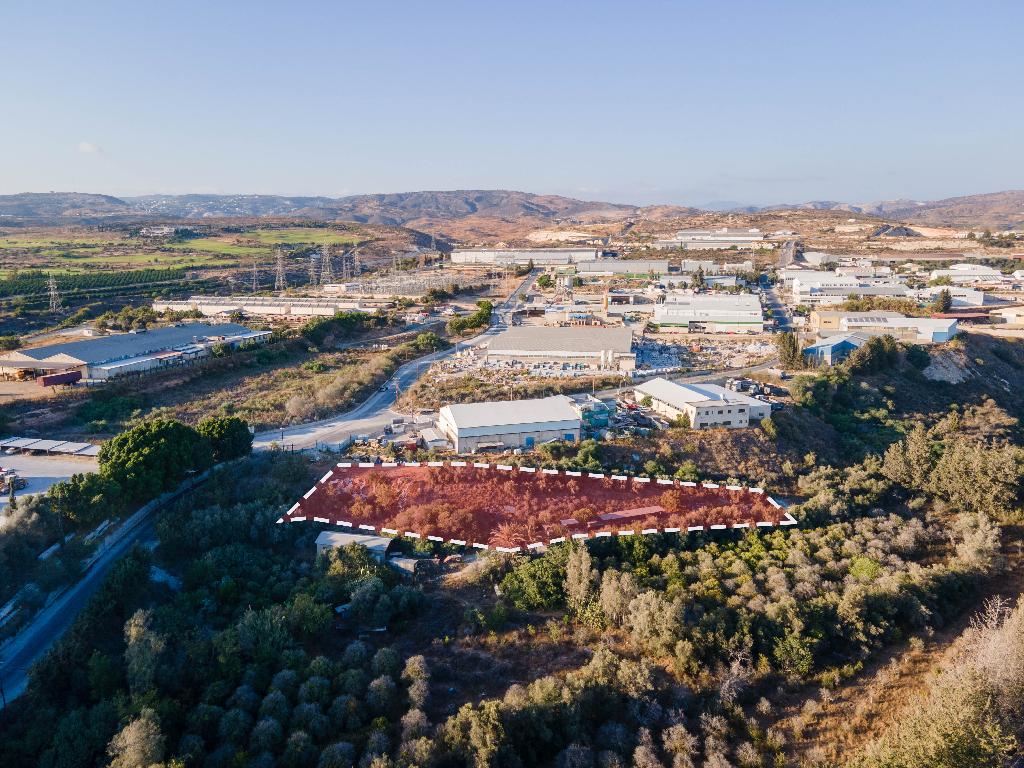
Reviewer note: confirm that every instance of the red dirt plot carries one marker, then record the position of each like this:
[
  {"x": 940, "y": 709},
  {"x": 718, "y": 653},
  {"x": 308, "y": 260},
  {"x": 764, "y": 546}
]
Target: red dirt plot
[{"x": 510, "y": 508}]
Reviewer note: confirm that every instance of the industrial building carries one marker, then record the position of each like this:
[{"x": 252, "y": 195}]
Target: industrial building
[
  {"x": 505, "y": 257},
  {"x": 968, "y": 273},
  {"x": 276, "y": 307},
  {"x": 706, "y": 405},
  {"x": 604, "y": 348},
  {"x": 826, "y": 322},
  {"x": 626, "y": 267},
  {"x": 510, "y": 424},
  {"x": 1012, "y": 316},
  {"x": 816, "y": 288},
  {"x": 721, "y": 238},
  {"x": 135, "y": 352},
  {"x": 961, "y": 296},
  {"x": 710, "y": 313},
  {"x": 915, "y": 329},
  {"x": 835, "y": 349}
]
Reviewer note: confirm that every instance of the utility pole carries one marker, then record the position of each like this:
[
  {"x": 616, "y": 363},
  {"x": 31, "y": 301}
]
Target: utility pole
[
  {"x": 55, "y": 302},
  {"x": 280, "y": 283},
  {"x": 255, "y": 277}
]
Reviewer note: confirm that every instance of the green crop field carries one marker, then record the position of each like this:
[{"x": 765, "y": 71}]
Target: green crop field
[{"x": 301, "y": 235}]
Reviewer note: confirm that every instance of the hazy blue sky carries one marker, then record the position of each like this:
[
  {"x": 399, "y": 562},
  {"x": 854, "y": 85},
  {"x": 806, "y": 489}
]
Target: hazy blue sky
[{"x": 686, "y": 102}]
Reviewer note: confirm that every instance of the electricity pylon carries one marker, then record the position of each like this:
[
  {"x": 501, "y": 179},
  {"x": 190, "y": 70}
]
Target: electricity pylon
[
  {"x": 55, "y": 302},
  {"x": 280, "y": 283}
]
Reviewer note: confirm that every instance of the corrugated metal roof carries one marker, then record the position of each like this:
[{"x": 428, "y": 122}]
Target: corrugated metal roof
[
  {"x": 677, "y": 395},
  {"x": 504, "y": 413},
  {"x": 122, "y": 345},
  {"x": 525, "y": 338}
]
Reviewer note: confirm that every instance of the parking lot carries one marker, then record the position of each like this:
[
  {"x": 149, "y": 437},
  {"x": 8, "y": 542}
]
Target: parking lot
[{"x": 41, "y": 472}]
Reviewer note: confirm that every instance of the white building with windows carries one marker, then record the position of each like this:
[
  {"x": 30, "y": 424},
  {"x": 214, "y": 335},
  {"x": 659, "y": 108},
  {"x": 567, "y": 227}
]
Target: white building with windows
[
  {"x": 715, "y": 239},
  {"x": 706, "y": 405},
  {"x": 509, "y": 424},
  {"x": 504, "y": 257},
  {"x": 710, "y": 313}
]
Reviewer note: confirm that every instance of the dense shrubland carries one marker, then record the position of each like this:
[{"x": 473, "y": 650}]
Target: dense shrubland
[{"x": 704, "y": 650}]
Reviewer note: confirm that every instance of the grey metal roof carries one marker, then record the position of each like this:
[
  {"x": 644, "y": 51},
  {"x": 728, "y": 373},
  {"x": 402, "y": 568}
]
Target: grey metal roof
[
  {"x": 556, "y": 410},
  {"x": 524, "y": 338},
  {"x": 123, "y": 345}
]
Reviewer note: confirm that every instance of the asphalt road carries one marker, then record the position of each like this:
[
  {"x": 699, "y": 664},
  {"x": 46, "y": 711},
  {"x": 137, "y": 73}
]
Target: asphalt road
[
  {"x": 50, "y": 623},
  {"x": 376, "y": 412}
]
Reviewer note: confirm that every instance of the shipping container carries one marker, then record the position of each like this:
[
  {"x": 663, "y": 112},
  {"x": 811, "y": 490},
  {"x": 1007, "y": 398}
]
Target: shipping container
[{"x": 64, "y": 377}]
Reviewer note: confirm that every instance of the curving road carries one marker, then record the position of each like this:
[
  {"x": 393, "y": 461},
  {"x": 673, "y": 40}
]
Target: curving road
[{"x": 376, "y": 412}]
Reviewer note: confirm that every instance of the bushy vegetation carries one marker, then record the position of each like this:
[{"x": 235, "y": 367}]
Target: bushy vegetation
[
  {"x": 479, "y": 319},
  {"x": 236, "y": 664},
  {"x": 328, "y": 332}
]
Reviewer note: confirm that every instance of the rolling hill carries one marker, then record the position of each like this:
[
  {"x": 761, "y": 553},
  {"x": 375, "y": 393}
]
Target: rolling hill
[{"x": 465, "y": 212}]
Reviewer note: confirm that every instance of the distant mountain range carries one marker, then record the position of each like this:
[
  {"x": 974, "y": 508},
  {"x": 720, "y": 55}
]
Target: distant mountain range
[{"x": 998, "y": 210}]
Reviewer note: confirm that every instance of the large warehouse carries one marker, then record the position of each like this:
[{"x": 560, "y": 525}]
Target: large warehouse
[
  {"x": 136, "y": 352},
  {"x": 720, "y": 238},
  {"x": 710, "y": 313},
  {"x": 504, "y": 257},
  {"x": 278, "y": 307},
  {"x": 706, "y": 405},
  {"x": 604, "y": 348},
  {"x": 510, "y": 423},
  {"x": 638, "y": 267}
]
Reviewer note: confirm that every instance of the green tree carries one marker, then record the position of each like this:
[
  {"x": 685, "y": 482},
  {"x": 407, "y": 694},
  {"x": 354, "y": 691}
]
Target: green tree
[
  {"x": 789, "y": 350},
  {"x": 697, "y": 282},
  {"x": 86, "y": 499},
  {"x": 153, "y": 457},
  {"x": 944, "y": 301},
  {"x": 229, "y": 436}
]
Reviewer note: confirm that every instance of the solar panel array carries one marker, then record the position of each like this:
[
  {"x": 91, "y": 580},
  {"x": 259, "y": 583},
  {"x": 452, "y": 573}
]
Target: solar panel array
[{"x": 65, "y": 447}]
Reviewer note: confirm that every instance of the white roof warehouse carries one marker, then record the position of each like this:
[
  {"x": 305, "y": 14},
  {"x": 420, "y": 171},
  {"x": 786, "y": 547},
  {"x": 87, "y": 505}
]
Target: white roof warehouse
[
  {"x": 712, "y": 313},
  {"x": 706, "y": 405},
  {"x": 135, "y": 352},
  {"x": 510, "y": 423},
  {"x": 607, "y": 348}
]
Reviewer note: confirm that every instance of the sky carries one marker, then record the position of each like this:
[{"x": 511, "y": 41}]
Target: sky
[{"x": 638, "y": 102}]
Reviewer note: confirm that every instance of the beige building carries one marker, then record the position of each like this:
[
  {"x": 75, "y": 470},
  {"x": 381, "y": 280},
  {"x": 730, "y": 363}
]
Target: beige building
[
  {"x": 825, "y": 321},
  {"x": 602, "y": 348},
  {"x": 706, "y": 405}
]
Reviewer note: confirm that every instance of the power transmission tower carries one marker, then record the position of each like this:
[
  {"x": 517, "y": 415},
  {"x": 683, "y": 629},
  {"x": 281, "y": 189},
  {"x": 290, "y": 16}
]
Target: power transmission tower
[
  {"x": 347, "y": 268},
  {"x": 255, "y": 277},
  {"x": 280, "y": 283},
  {"x": 313, "y": 268},
  {"x": 55, "y": 302},
  {"x": 326, "y": 270}
]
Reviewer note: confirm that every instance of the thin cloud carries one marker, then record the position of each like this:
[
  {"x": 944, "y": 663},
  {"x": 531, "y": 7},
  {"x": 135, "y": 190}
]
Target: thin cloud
[{"x": 88, "y": 148}]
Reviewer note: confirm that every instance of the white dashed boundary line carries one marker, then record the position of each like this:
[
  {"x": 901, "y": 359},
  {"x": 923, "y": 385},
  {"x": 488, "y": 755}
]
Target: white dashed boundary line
[{"x": 785, "y": 520}]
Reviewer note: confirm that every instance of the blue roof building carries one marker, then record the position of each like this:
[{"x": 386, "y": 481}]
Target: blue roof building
[{"x": 835, "y": 349}]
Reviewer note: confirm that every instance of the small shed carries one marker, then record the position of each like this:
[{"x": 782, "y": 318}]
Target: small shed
[{"x": 377, "y": 545}]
